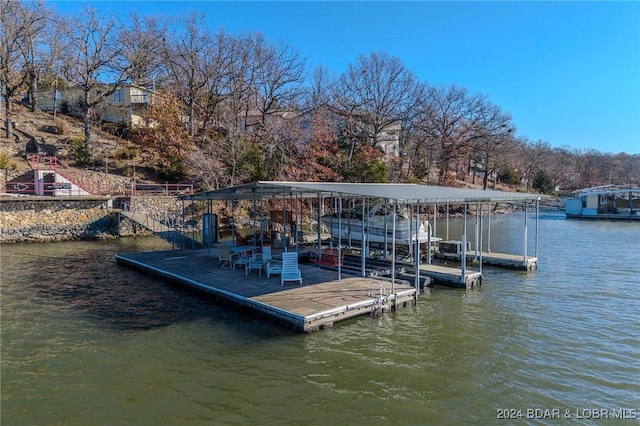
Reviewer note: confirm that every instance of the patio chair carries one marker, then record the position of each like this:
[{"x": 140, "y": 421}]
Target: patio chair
[
  {"x": 290, "y": 269},
  {"x": 255, "y": 264},
  {"x": 266, "y": 254},
  {"x": 243, "y": 260},
  {"x": 225, "y": 257},
  {"x": 273, "y": 268}
]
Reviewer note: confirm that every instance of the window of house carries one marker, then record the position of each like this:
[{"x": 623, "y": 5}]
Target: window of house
[{"x": 118, "y": 95}]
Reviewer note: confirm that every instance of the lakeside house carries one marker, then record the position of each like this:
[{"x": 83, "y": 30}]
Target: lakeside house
[{"x": 126, "y": 104}]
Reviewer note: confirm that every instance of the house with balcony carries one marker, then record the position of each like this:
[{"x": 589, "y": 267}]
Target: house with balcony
[{"x": 127, "y": 104}]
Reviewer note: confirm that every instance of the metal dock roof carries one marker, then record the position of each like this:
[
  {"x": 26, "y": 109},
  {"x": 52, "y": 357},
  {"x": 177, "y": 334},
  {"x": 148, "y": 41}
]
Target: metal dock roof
[{"x": 398, "y": 193}]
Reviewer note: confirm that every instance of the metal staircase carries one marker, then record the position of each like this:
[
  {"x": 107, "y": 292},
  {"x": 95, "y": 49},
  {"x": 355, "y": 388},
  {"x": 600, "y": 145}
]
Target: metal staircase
[{"x": 161, "y": 225}]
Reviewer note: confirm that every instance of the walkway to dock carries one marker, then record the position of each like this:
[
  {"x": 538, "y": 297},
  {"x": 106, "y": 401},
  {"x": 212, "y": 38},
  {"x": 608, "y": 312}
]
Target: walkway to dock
[{"x": 318, "y": 303}]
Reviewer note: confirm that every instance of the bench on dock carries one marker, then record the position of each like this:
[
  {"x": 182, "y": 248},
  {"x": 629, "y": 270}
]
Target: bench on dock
[{"x": 331, "y": 257}]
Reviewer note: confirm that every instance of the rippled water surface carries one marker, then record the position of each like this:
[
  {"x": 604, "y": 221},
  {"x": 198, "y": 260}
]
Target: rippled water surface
[{"x": 86, "y": 341}]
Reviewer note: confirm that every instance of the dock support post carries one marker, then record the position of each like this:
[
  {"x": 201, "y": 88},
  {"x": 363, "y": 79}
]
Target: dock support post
[
  {"x": 233, "y": 221},
  {"x": 262, "y": 230},
  {"x": 447, "y": 222},
  {"x": 477, "y": 234},
  {"x": 435, "y": 218},
  {"x": 429, "y": 242},
  {"x": 524, "y": 239},
  {"x": 339, "y": 238},
  {"x": 489, "y": 230},
  {"x": 393, "y": 251},
  {"x": 184, "y": 241},
  {"x": 319, "y": 222},
  {"x": 480, "y": 236},
  {"x": 537, "y": 220},
  {"x": 193, "y": 228},
  {"x": 417, "y": 252},
  {"x": 297, "y": 230},
  {"x": 255, "y": 206},
  {"x": 463, "y": 255},
  {"x": 363, "y": 240}
]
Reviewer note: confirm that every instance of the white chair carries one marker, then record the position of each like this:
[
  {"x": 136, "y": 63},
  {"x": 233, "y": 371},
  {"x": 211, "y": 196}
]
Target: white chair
[
  {"x": 255, "y": 264},
  {"x": 266, "y": 254},
  {"x": 243, "y": 260},
  {"x": 290, "y": 269},
  {"x": 273, "y": 268},
  {"x": 225, "y": 257}
]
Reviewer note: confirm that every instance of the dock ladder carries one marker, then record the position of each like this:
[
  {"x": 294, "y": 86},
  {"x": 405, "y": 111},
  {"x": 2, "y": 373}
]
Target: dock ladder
[{"x": 381, "y": 299}]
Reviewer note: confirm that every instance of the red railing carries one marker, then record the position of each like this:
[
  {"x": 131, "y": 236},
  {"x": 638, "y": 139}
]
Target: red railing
[
  {"x": 160, "y": 189},
  {"x": 167, "y": 189},
  {"x": 39, "y": 162}
]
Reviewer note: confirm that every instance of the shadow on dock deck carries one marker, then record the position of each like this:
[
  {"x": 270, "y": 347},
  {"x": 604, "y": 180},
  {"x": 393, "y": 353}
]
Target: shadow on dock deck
[{"x": 318, "y": 303}]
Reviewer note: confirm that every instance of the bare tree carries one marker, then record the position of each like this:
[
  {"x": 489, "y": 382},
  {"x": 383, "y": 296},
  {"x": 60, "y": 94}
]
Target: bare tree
[
  {"x": 490, "y": 130},
  {"x": 240, "y": 90},
  {"x": 183, "y": 56},
  {"x": 230, "y": 98},
  {"x": 321, "y": 90},
  {"x": 532, "y": 157},
  {"x": 142, "y": 49},
  {"x": 22, "y": 23},
  {"x": 216, "y": 66},
  {"x": 53, "y": 61},
  {"x": 381, "y": 92},
  {"x": 449, "y": 119},
  {"x": 94, "y": 53},
  {"x": 559, "y": 165},
  {"x": 627, "y": 168},
  {"x": 279, "y": 74},
  {"x": 33, "y": 16}
]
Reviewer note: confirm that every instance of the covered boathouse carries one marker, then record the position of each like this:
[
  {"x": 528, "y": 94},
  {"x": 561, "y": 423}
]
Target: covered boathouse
[{"x": 332, "y": 286}]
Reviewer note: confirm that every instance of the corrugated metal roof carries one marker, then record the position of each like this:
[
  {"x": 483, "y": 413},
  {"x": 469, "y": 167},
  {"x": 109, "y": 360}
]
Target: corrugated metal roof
[{"x": 398, "y": 193}]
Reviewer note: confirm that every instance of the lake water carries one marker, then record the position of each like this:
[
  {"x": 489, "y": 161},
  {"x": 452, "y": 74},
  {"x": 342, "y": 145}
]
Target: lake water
[{"x": 88, "y": 342}]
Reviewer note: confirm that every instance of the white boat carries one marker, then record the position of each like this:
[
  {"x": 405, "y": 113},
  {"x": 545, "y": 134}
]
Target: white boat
[{"x": 351, "y": 225}]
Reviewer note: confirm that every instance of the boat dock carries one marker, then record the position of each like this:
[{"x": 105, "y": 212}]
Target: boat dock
[
  {"x": 451, "y": 276},
  {"x": 321, "y": 301},
  {"x": 438, "y": 274},
  {"x": 501, "y": 260}
]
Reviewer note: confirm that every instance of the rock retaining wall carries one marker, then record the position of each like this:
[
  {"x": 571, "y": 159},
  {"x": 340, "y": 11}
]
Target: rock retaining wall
[{"x": 42, "y": 219}]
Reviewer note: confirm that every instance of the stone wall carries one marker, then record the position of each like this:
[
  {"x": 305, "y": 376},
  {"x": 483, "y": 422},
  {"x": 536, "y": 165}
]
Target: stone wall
[
  {"x": 156, "y": 206},
  {"x": 42, "y": 219}
]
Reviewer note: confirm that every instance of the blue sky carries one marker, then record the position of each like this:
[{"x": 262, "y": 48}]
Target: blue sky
[{"x": 568, "y": 72}]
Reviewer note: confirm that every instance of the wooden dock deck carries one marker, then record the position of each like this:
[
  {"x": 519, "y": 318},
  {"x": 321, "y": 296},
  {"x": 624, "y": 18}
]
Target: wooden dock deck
[
  {"x": 502, "y": 260},
  {"x": 451, "y": 276},
  {"x": 321, "y": 301},
  {"x": 439, "y": 274}
]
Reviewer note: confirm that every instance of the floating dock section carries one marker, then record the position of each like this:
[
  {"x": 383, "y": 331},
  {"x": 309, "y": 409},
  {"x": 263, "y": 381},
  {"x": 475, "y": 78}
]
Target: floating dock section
[
  {"x": 501, "y": 260},
  {"x": 451, "y": 276},
  {"x": 321, "y": 301},
  {"x": 437, "y": 274}
]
